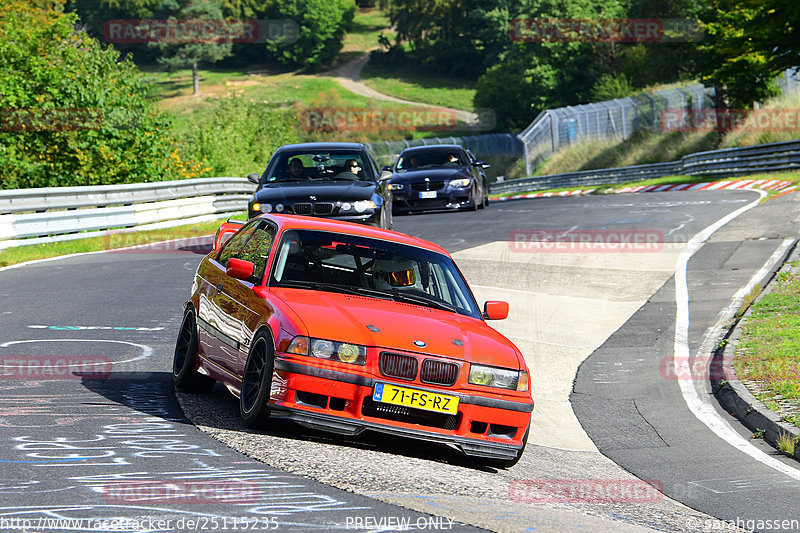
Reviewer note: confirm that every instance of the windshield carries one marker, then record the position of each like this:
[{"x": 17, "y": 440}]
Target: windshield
[
  {"x": 334, "y": 262},
  {"x": 446, "y": 158},
  {"x": 298, "y": 165}
]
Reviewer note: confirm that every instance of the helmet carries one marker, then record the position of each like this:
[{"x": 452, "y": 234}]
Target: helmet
[{"x": 394, "y": 274}]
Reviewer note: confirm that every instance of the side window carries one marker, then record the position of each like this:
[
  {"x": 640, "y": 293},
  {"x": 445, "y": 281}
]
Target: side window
[
  {"x": 236, "y": 243},
  {"x": 253, "y": 243}
]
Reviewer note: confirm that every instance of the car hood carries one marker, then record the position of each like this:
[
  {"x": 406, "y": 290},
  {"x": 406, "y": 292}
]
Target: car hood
[
  {"x": 324, "y": 191},
  {"x": 344, "y": 317},
  {"x": 435, "y": 174}
]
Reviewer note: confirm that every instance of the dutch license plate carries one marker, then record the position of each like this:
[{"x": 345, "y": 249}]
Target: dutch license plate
[
  {"x": 427, "y": 194},
  {"x": 418, "y": 399}
]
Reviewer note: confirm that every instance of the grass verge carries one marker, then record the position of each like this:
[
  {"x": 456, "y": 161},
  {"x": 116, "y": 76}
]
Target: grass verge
[
  {"x": 793, "y": 177},
  {"x": 21, "y": 254},
  {"x": 768, "y": 350},
  {"x": 408, "y": 85}
]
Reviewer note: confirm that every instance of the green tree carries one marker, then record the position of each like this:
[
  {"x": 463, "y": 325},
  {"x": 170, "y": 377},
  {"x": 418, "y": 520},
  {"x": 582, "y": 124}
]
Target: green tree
[
  {"x": 195, "y": 48},
  {"x": 322, "y": 26},
  {"x": 751, "y": 42},
  {"x": 72, "y": 113}
]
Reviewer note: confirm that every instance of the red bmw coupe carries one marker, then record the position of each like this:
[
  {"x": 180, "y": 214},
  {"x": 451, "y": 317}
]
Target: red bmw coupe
[{"x": 345, "y": 328}]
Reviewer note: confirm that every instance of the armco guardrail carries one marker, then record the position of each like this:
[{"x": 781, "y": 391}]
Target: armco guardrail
[
  {"x": 29, "y": 216},
  {"x": 763, "y": 158}
]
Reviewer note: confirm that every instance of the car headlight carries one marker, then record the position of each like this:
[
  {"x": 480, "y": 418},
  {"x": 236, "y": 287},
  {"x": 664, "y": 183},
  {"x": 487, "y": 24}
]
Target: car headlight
[
  {"x": 362, "y": 205},
  {"x": 395, "y": 186},
  {"x": 501, "y": 378},
  {"x": 256, "y": 207},
  {"x": 460, "y": 183},
  {"x": 325, "y": 349}
]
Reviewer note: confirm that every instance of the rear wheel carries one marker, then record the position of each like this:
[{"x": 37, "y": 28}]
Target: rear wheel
[
  {"x": 184, "y": 374},
  {"x": 257, "y": 382}
]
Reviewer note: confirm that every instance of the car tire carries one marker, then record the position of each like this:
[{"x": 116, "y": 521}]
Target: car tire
[
  {"x": 386, "y": 218},
  {"x": 257, "y": 382},
  {"x": 184, "y": 374},
  {"x": 486, "y": 200},
  {"x": 473, "y": 206},
  {"x": 508, "y": 463},
  {"x": 482, "y": 203}
]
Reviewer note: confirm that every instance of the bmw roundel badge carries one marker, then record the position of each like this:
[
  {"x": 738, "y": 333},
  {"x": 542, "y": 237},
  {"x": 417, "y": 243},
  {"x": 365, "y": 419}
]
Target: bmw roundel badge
[{"x": 420, "y": 344}]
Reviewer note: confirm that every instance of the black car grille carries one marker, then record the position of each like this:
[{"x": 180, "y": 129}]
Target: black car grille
[
  {"x": 409, "y": 415},
  {"x": 399, "y": 366},
  {"x": 427, "y": 186},
  {"x": 307, "y": 208},
  {"x": 323, "y": 208},
  {"x": 438, "y": 372},
  {"x": 302, "y": 208}
]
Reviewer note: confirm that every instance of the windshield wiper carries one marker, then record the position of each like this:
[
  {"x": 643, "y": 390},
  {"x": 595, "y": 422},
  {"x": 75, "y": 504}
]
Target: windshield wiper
[
  {"x": 333, "y": 287},
  {"x": 421, "y": 300}
]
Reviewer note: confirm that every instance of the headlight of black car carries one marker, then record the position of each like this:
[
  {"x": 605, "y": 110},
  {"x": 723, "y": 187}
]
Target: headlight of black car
[{"x": 460, "y": 183}]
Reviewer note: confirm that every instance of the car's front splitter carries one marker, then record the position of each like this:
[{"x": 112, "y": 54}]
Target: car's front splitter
[{"x": 306, "y": 395}]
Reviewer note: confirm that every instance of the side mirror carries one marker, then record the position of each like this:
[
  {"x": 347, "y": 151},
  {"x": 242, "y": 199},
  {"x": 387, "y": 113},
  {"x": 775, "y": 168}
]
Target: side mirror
[
  {"x": 482, "y": 164},
  {"x": 495, "y": 310},
  {"x": 388, "y": 169},
  {"x": 385, "y": 175},
  {"x": 253, "y": 178},
  {"x": 240, "y": 269}
]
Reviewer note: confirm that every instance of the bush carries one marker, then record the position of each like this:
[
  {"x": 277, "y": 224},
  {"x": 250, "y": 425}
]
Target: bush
[
  {"x": 322, "y": 26},
  {"x": 234, "y": 137},
  {"x": 72, "y": 114}
]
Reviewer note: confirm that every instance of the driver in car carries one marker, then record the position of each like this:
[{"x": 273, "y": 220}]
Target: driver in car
[{"x": 297, "y": 169}]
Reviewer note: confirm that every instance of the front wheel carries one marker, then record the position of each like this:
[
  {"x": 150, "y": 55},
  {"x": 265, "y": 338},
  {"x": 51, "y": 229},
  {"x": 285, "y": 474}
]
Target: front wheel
[
  {"x": 184, "y": 375},
  {"x": 386, "y": 218},
  {"x": 484, "y": 199},
  {"x": 257, "y": 382},
  {"x": 473, "y": 205}
]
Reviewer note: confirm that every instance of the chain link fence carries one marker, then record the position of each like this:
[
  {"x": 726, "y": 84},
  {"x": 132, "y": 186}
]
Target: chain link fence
[
  {"x": 611, "y": 120},
  {"x": 789, "y": 82}
]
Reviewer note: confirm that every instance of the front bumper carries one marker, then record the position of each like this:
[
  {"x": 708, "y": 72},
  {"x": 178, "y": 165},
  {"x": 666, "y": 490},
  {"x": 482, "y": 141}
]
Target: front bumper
[
  {"x": 373, "y": 218},
  {"x": 405, "y": 202},
  {"x": 340, "y": 402}
]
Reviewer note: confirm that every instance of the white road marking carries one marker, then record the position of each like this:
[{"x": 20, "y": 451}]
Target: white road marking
[
  {"x": 699, "y": 405},
  {"x": 147, "y": 351}
]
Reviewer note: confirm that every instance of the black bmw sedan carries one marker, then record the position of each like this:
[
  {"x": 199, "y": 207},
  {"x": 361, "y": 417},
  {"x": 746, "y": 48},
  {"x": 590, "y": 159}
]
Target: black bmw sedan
[
  {"x": 438, "y": 177},
  {"x": 331, "y": 180}
]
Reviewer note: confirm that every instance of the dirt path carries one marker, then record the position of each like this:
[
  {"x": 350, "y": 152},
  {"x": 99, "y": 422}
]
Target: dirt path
[{"x": 349, "y": 76}]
